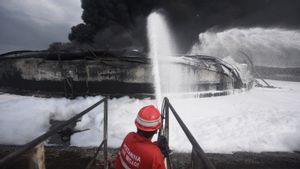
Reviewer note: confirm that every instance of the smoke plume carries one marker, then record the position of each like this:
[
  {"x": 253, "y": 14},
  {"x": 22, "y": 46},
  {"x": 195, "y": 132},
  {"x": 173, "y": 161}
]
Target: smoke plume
[
  {"x": 266, "y": 47},
  {"x": 121, "y": 23}
]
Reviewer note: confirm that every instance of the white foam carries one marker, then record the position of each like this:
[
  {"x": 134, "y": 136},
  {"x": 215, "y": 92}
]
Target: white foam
[{"x": 258, "y": 120}]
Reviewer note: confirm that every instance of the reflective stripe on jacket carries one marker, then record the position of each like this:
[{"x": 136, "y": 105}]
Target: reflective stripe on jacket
[{"x": 138, "y": 152}]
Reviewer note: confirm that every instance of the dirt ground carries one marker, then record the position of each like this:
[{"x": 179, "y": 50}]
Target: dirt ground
[{"x": 78, "y": 158}]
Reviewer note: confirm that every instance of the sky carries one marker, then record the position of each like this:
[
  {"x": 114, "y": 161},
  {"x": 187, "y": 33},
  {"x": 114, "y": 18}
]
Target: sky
[{"x": 32, "y": 24}]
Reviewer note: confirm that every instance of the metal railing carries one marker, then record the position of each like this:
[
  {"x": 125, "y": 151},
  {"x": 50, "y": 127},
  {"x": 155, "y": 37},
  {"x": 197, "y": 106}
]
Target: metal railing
[
  {"x": 16, "y": 154},
  {"x": 197, "y": 153}
]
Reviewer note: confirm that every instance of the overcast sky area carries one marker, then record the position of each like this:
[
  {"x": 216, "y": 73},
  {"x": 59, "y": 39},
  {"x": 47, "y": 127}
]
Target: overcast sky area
[{"x": 34, "y": 24}]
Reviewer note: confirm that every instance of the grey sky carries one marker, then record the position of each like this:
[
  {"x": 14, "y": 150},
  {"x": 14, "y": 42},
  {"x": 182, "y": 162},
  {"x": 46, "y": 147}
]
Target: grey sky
[{"x": 34, "y": 24}]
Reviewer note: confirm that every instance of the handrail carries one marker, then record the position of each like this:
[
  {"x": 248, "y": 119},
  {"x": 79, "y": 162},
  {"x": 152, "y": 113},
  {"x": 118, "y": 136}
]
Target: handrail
[
  {"x": 95, "y": 156},
  {"x": 250, "y": 60},
  {"x": 164, "y": 131},
  {"x": 54, "y": 130},
  {"x": 198, "y": 150},
  {"x": 105, "y": 118}
]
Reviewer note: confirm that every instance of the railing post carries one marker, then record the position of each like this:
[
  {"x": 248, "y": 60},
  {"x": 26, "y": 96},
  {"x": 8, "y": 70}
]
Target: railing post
[
  {"x": 105, "y": 133},
  {"x": 167, "y": 119},
  {"x": 165, "y": 112},
  {"x": 36, "y": 157}
]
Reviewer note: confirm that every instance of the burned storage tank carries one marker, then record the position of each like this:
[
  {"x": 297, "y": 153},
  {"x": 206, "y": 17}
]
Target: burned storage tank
[{"x": 101, "y": 72}]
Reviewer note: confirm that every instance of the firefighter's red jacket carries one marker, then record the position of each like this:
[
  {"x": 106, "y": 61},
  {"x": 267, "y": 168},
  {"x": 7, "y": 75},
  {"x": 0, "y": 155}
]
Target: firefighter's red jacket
[{"x": 137, "y": 151}]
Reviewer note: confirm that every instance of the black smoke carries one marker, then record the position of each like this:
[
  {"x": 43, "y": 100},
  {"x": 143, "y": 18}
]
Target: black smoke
[
  {"x": 122, "y": 23},
  {"x": 113, "y": 23}
]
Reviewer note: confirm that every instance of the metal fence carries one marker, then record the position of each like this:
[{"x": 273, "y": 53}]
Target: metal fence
[{"x": 7, "y": 160}]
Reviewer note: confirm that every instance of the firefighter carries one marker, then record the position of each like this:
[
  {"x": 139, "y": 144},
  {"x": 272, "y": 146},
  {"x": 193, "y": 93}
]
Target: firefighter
[{"x": 137, "y": 149}]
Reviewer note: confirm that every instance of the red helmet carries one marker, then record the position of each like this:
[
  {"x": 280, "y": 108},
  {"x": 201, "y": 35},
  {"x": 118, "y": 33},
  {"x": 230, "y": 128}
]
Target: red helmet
[{"x": 148, "y": 119}]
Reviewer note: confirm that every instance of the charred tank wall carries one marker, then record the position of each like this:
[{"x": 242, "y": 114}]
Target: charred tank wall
[
  {"x": 113, "y": 76},
  {"x": 75, "y": 77}
]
